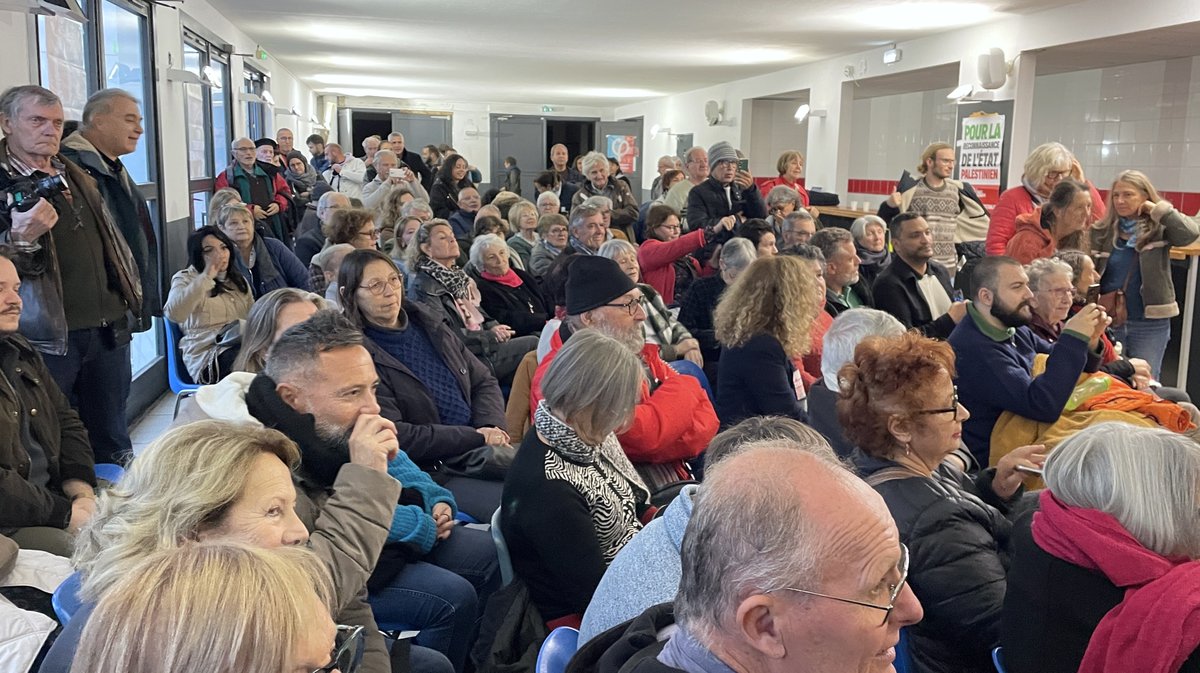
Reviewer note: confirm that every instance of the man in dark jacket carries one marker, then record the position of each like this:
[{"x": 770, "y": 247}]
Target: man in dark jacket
[
  {"x": 411, "y": 403},
  {"x": 549, "y": 181},
  {"x": 566, "y": 174},
  {"x": 46, "y": 467},
  {"x": 995, "y": 350},
  {"x": 732, "y": 616},
  {"x": 411, "y": 159},
  {"x": 844, "y": 287},
  {"x": 79, "y": 281},
  {"x": 726, "y": 192},
  {"x": 914, "y": 288}
]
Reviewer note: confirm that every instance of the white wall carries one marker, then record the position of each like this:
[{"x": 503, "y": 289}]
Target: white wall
[
  {"x": 774, "y": 129},
  {"x": 829, "y": 138}
]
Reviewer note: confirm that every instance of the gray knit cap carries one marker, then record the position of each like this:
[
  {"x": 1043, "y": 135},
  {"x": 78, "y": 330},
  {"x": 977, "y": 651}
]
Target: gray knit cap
[{"x": 719, "y": 152}]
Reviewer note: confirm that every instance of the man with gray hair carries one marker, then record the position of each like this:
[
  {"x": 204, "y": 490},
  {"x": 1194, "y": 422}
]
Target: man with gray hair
[
  {"x": 395, "y": 142},
  {"x": 789, "y": 563},
  {"x": 390, "y": 174},
  {"x": 80, "y": 283},
  {"x": 844, "y": 288},
  {"x": 695, "y": 168},
  {"x": 848, "y": 330},
  {"x": 665, "y": 163},
  {"x": 588, "y": 229},
  {"x": 309, "y": 239},
  {"x": 797, "y": 228}
]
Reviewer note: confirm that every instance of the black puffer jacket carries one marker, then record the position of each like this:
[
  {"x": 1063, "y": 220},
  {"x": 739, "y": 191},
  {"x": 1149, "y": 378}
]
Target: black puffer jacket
[
  {"x": 631, "y": 647},
  {"x": 958, "y": 540}
]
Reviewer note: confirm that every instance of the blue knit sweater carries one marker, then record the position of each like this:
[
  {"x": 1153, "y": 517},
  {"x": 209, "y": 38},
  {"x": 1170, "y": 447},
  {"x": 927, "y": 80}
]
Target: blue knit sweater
[
  {"x": 413, "y": 524},
  {"x": 995, "y": 374}
]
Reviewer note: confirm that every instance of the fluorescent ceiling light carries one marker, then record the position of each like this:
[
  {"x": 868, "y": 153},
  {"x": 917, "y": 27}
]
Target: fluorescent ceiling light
[
  {"x": 921, "y": 15},
  {"x": 613, "y": 92}
]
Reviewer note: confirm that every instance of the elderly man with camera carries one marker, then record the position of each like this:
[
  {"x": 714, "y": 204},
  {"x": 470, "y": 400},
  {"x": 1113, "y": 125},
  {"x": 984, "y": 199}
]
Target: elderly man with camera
[{"x": 79, "y": 281}]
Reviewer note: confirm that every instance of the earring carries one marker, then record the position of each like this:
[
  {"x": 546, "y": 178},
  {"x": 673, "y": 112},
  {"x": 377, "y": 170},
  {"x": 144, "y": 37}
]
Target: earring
[{"x": 906, "y": 449}]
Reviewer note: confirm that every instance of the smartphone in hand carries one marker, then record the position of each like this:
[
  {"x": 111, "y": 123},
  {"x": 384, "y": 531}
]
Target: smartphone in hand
[
  {"x": 743, "y": 165},
  {"x": 1093, "y": 293}
]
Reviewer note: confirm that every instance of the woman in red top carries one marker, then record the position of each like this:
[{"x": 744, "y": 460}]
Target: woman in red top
[
  {"x": 1047, "y": 165},
  {"x": 666, "y": 256},
  {"x": 1058, "y": 224},
  {"x": 791, "y": 169}
]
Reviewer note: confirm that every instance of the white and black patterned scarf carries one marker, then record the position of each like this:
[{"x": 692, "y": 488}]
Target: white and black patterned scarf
[{"x": 453, "y": 278}]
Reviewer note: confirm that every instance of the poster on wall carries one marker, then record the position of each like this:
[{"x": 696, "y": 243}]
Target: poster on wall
[
  {"x": 979, "y": 154},
  {"x": 624, "y": 149},
  {"x": 983, "y": 148}
]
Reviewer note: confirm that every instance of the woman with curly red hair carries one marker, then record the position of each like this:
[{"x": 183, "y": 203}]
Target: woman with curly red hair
[{"x": 899, "y": 406}]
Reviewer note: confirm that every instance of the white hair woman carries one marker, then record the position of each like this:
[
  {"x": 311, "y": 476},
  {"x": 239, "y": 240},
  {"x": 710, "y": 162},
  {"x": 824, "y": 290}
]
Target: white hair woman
[
  {"x": 1104, "y": 576},
  {"x": 598, "y": 183},
  {"x": 572, "y": 499},
  {"x": 696, "y": 311},
  {"x": 508, "y": 294},
  {"x": 219, "y": 607},
  {"x": 870, "y": 242},
  {"x": 1046, "y": 166},
  {"x": 661, "y": 326},
  {"x": 223, "y": 481}
]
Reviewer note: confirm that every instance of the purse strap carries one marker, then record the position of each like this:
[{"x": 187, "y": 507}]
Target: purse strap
[{"x": 890, "y": 474}]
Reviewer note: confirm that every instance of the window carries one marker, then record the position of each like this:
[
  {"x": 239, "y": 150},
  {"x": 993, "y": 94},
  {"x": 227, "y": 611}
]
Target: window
[
  {"x": 126, "y": 67},
  {"x": 63, "y": 61},
  {"x": 208, "y": 121},
  {"x": 254, "y": 82}
]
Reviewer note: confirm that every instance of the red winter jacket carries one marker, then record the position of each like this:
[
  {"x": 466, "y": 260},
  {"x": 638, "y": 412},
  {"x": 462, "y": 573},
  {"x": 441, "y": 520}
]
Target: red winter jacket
[
  {"x": 672, "y": 424},
  {"x": 1017, "y": 201},
  {"x": 767, "y": 185},
  {"x": 1030, "y": 240},
  {"x": 657, "y": 259}
]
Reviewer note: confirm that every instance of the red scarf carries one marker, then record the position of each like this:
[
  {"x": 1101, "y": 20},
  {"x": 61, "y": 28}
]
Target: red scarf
[
  {"x": 510, "y": 279},
  {"x": 1157, "y": 626}
]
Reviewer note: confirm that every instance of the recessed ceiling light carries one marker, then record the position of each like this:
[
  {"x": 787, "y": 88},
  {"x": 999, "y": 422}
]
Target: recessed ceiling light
[
  {"x": 610, "y": 92},
  {"x": 921, "y": 15}
]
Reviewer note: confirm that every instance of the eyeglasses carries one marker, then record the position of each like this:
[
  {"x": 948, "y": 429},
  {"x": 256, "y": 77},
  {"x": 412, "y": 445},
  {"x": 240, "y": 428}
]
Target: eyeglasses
[
  {"x": 893, "y": 590},
  {"x": 948, "y": 410},
  {"x": 671, "y": 227},
  {"x": 1060, "y": 292},
  {"x": 376, "y": 287},
  {"x": 1057, "y": 175},
  {"x": 630, "y": 306},
  {"x": 347, "y": 650},
  {"x": 245, "y": 149}
]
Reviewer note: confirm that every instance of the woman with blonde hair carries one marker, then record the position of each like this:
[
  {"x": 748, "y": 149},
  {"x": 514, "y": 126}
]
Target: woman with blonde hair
[
  {"x": 1131, "y": 246},
  {"x": 269, "y": 317},
  {"x": 523, "y": 222},
  {"x": 1047, "y": 165},
  {"x": 219, "y": 607},
  {"x": 763, "y": 321},
  {"x": 223, "y": 481}
]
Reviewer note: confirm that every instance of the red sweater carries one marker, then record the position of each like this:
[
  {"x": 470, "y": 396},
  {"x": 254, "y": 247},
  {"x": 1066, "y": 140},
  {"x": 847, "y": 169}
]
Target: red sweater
[
  {"x": 769, "y": 184},
  {"x": 1017, "y": 201},
  {"x": 673, "y": 424},
  {"x": 657, "y": 259}
]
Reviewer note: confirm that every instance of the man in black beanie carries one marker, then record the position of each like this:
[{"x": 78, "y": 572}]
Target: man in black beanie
[{"x": 675, "y": 419}]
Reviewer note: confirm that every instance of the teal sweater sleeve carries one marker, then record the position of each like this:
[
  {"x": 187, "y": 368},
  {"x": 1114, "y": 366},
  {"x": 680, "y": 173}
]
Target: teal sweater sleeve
[{"x": 410, "y": 523}]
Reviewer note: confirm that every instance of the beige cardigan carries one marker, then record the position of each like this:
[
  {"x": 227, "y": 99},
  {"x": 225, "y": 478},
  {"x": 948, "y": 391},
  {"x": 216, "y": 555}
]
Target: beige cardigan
[{"x": 201, "y": 317}]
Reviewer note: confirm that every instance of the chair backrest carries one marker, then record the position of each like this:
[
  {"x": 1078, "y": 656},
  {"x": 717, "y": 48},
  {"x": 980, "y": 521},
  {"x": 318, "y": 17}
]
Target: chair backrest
[
  {"x": 998, "y": 659},
  {"x": 557, "y": 650},
  {"x": 506, "y": 571},
  {"x": 177, "y": 373},
  {"x": 109, "y": 472},
  {"x": 66, "y": 599}
]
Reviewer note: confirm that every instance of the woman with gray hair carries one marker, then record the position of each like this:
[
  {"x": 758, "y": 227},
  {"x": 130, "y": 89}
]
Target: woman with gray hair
[
  {"x": 1104, "y": 576},
  {"x": 782, "y": 201},
  {"x": 870, "y": 242},
  {"x": 508, "y": 294},
  {"x": 624, "y": 206},
  {"x": 696, "y": 311},
  {"x": 572, "y": 499},
  {"x": 661, "y": 326}
]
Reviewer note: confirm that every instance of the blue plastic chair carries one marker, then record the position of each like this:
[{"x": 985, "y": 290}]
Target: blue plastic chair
[
  {"x": 557, "y": 650},
  {"x": 903, "y": 662},
  {"x": 177, "y": 374},
  {"x": 66, "y": 599},
  {"x": 998, "y": 659},
  {"x": 109, "y": 472},
  {"x": 463, "y": 517},
  {"x": 506, "y": 570}
]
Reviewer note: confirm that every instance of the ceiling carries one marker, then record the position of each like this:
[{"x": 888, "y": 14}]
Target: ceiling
[{"x": 576, "y": 53}]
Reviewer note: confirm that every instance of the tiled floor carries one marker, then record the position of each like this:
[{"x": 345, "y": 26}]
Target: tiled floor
[{"x": 151, "y": 424}]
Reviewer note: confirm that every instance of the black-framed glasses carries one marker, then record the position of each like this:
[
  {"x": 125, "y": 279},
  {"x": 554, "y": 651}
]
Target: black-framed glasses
[
  {"x": 948, "y": 410},
  {"x": 376, "y": 287},
  {"x": 630, "y": 306},
  {"x": 893, "y": 590},
  {"x": 347, "y": 650}
]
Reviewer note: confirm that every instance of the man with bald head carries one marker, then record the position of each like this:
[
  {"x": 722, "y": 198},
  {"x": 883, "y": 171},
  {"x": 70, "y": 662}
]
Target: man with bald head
[
  {"x": 565, "y": 172},
  {"x": 286, "y": 141},
  {"x": 790, "y": 563}
]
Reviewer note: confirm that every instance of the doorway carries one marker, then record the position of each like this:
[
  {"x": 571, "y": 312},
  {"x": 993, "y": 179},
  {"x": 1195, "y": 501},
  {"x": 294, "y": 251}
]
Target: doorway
[
  {"x": 579, "y": 135},
  {"x": 421, "y": 129},
  {"x": 364, "y": 125}
]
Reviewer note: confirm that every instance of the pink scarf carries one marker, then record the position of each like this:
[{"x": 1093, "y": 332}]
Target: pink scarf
[
  {"x": 510, "y": 279},
  {"x": 1157, "y": 626}
]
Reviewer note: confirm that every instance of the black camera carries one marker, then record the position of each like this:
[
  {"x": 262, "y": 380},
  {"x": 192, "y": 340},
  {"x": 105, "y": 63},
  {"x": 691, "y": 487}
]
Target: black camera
[{"x": 21, "y": 193}]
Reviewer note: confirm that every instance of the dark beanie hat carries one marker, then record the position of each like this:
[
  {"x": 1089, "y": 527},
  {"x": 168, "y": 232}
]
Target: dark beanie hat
[
  {"x": 266, "y": 141},
  {"x": 593, "y": 282}
]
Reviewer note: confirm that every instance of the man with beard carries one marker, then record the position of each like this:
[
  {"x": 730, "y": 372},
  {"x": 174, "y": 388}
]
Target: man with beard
[
  {"x": 994, "y": 350},
  {"x": 318, "y": 388},
  {"x": 915, "y": 289},
  {"x": 675, "y": 420}
]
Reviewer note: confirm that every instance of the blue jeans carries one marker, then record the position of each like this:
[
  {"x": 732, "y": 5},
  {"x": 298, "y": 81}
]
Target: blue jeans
[
  {"x": 96, "y": 380},
  {"x": 443, "y": 594},
  {"x": 1146, "y": 339}
]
